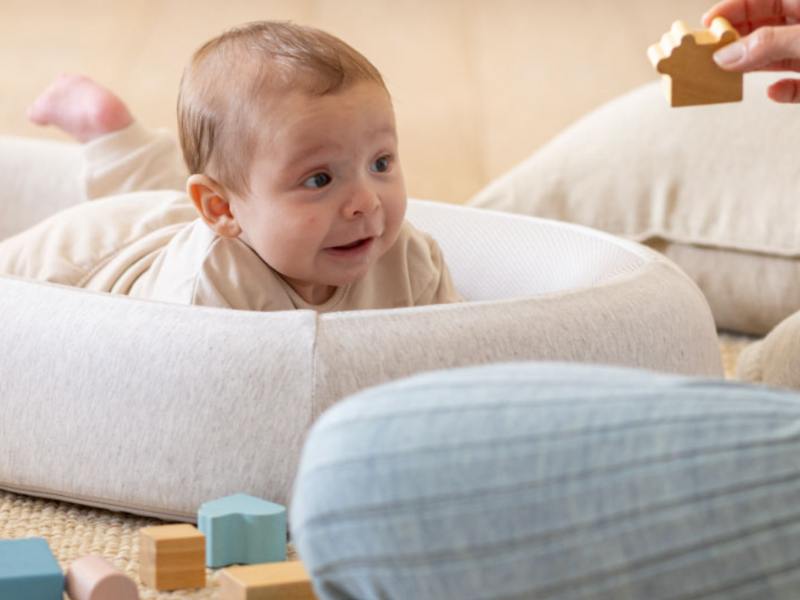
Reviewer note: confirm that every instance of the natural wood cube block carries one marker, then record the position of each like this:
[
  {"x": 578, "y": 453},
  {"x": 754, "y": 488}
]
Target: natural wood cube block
[
  {"x": 271, "y": 581},
  {"x": 172, "y": 557}
]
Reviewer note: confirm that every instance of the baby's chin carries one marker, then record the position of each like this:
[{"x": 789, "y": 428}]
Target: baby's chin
[{"x": 339, "y": 276}]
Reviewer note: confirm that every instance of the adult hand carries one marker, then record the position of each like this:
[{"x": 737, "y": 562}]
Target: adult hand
[{"x": 770, "y": 42}]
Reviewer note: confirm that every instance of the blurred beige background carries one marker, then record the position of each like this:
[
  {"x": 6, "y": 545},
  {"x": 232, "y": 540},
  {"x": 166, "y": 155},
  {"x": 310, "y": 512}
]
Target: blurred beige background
[{"x": 478, "y": 84}]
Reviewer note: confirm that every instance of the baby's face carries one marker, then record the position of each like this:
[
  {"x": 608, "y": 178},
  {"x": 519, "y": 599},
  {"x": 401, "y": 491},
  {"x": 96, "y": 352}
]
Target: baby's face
[{"x": 327, "y": 196}]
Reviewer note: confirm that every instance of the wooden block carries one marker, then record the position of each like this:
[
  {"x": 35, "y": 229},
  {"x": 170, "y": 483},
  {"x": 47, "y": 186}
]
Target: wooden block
[
  {"x": 172, "y": 557},
  {"x": 94, "y": 578},
  {"x": 242, "y": 529},
  {"x": 29, "y": 570},
  {"x": 685, "y": 59},
  {"x": 273, "y": 581}
]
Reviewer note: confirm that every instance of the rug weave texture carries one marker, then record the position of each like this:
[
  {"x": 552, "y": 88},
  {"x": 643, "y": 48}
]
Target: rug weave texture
[{"x": 76, "y": 531}]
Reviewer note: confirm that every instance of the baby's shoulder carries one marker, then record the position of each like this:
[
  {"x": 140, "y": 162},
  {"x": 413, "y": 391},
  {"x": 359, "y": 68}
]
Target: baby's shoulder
[
  {"x": 417, "y": 247},
  {"x": 230, "y": 274}
]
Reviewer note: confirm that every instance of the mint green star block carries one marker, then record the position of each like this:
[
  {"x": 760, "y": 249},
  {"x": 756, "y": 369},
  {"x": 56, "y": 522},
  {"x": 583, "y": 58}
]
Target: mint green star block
[
  {"x": 242, "y": 530},
  {"x": 29, "y": 570}
]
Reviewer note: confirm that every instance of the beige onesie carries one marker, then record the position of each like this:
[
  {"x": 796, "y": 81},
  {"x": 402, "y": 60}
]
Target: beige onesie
[{"x": 150, "y": 244}]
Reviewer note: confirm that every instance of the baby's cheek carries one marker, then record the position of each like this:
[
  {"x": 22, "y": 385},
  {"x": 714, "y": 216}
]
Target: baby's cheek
[
  {"x": 308, "y": 230},
  {"x": 315, "y": 228},
  {"x": 398, "y": 213}
]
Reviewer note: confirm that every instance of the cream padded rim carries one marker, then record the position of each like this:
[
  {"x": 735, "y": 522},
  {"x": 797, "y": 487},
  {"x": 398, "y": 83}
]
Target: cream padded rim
[{"x": 155, "y": 408}]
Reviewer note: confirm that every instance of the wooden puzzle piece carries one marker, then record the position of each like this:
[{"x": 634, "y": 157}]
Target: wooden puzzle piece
[
  {"x": 94, "y": 578},
  {"x": 172, "y": 557},
  {"x": 29, "y": 570},
  {"x": 273, "y": 581},
  {"x": 242, "y": 529},
  {"x": 690, "y": 75}
]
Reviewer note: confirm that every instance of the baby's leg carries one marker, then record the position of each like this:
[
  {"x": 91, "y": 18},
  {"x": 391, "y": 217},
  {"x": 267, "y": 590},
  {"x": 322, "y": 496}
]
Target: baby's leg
[
  {"x": 120, "y": 155},
  {"x": 80, "y": 107},
  {"x": 41, "y": 177}
]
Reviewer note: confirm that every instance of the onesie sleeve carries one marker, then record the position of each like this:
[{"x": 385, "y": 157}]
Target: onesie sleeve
[
  {"x": 132, "y": 160},
  {"x": 439, "y": 288},
  {"x": 232, "y": 275}
]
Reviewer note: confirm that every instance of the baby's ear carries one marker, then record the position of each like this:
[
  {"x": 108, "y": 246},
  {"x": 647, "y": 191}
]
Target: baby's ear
[{"x": 210, "y": 200}]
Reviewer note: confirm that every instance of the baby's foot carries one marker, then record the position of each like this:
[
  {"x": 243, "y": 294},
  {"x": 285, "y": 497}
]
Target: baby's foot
[{"x": 80, "y": 107}]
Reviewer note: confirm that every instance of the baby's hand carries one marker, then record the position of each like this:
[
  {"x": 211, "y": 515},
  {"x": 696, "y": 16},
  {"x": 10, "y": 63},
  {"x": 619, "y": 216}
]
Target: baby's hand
[{"x": 80, "y": 107}]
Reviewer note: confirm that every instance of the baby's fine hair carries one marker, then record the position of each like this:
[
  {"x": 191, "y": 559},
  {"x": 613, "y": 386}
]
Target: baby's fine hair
[{"x": 221, "y": 93}]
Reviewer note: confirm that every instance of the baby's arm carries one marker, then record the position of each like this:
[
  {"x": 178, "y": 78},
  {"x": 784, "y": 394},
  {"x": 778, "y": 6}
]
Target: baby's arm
[
  {"x": 120, "y": 155},
  {"x": 444, "y": 291},
  {"x": 133, "y": 159},
  {"x": 427, "y": 264}
]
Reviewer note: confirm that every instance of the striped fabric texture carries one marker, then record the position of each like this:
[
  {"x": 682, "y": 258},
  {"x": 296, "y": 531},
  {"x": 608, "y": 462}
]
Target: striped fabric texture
[{"x": 556, "y": 482}]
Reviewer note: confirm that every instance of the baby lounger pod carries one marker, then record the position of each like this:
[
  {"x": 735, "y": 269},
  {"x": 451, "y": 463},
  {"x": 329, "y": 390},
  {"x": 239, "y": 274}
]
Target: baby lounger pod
[{"x": 154, "y": 408}]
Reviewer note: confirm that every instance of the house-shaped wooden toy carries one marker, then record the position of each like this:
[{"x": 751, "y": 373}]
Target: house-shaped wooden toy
[{"x": 685, "y": 59}]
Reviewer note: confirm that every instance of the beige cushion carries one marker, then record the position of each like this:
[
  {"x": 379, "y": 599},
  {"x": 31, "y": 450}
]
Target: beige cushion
[
  {"x": 775, "y": 359},
  {"x": 37, "y": 179},
  {"x": 714, "y": 188},
  {"x": 155, "y": 408}
]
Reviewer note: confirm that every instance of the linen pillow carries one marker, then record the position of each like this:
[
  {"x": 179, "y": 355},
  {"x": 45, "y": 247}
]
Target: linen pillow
[
  {"x": 774, "y": 360},
  {"x": 37, "y": 179},
  {"x": 714, "y": 188}
]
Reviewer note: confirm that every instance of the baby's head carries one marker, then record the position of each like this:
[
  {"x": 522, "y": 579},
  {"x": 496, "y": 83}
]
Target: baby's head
[{"x": 290, "y": 136}]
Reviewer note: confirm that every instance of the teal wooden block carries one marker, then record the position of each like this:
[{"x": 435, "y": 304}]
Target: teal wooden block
[
  {"x": 29, "y": 570},
  {"x": 243, "y": 530}
]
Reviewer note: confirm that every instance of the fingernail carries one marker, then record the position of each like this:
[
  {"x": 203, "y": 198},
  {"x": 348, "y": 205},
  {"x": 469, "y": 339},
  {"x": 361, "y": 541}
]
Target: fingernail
[
  {"x": 780, "y": 95},
  {"x": 729, "y": 55}
]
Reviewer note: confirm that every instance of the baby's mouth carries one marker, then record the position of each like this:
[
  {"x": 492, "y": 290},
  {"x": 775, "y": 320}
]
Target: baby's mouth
[
  {"x": 353, "y": 249},
  {"x": 353, "y": 245}
]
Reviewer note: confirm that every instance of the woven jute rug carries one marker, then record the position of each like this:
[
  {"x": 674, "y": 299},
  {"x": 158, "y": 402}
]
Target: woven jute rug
[{"x": 75, "y": 531}]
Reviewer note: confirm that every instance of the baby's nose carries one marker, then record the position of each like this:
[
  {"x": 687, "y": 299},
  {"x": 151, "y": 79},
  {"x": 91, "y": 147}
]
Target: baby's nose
[{"x": 363, "y": 200}]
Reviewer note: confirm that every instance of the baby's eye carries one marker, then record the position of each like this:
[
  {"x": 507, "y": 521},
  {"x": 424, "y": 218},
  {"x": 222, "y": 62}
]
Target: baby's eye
[
  {"x": 382, "y": 165},
  {"x": 316, "y": 181}
]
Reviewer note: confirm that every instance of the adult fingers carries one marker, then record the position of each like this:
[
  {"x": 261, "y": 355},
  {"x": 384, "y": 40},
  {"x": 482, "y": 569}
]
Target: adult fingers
[
  {"x": 748, "y": 15},
  {"x": 785, "y": 90},
  {"x": 765, "y": 46},
  {"x": 782, "y": 65}
]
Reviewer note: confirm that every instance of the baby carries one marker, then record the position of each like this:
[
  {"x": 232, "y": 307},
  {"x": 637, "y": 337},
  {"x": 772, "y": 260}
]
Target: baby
[{"x": 290, "y": 139}]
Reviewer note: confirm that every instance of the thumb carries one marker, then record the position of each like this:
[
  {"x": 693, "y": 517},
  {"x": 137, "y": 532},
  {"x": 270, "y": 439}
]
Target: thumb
[{"x": 765, "y": 46}]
